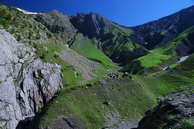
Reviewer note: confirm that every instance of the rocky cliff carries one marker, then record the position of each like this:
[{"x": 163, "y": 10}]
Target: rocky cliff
[
  {"x": 26, "y": 82},
  {"x": 57, "y": 23},
  {"x": 173, "y": 112}
]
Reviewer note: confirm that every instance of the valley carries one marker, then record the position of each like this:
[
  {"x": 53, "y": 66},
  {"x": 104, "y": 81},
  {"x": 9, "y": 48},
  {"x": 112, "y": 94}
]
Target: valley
[{"x": 87, "y": 72}]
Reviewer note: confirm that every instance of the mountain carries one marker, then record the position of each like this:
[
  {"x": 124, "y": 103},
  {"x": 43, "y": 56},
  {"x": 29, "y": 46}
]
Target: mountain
[
  {"x": 113, "y": 39},
  {"x": 157, "y": 33},
  {"x": 164, "y": 57},
  {"x": 57, "y": 23},
  {"x": 168, "y": 40},
  {"x": 88, "y": 72}
]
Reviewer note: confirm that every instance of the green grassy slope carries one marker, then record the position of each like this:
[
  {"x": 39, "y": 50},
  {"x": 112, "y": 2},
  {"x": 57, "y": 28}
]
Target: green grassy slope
[
  {"x": 90, "y": 104},
  {"x": 118, "y": 40},
  {"x": 118, "y": 45},
  {"x": 72, "y": 75},
  {"x": 163, "y": 54},
  {"x": 88, "y": 48},
  {"x": 87, "y": 103},
  {"x": 49, "y": 52},
  {"x": 130, "y": 98},
  {"x": 115, "y": 40},
  {"x": 160, "y": 57},
  {"x": 180, "y": 77},
  {"x": 23, "y": 27}
]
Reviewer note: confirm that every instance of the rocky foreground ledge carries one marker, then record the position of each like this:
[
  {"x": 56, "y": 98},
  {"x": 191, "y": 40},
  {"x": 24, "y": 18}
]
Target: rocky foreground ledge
[
  {"x": 176, "y": 111},
  {"x": 26, "y": 83}
]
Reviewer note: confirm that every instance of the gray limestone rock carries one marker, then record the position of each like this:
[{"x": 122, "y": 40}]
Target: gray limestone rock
[{"x": 26, "y": 83}]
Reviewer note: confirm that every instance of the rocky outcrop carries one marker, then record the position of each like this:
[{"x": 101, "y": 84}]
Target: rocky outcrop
[
  {"x": 171, "y": 112},
  {"x": 26, "y": 83},
  {"x": 92, "y": 25},
  {"x": 57, "y": 23}
]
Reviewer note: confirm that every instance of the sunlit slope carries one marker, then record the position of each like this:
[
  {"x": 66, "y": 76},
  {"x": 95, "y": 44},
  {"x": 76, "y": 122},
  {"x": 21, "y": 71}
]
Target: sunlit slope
[{"x": 165, "y": 56}]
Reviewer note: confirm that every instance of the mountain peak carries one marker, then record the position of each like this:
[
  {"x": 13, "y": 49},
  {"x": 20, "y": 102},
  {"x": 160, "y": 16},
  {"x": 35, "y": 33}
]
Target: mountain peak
[{"x": 92, "y": 24}]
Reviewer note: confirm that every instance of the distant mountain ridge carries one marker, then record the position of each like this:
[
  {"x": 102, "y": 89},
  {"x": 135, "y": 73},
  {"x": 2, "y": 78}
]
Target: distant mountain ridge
[
  {"x": 120, "y": 43},
  {"x": 157, "y": 33}
]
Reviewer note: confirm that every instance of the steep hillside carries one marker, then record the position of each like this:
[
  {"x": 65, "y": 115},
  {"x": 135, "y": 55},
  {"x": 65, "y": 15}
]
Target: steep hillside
[
  {"x": 113, "y": 39},
  {"x": 57, "y": 23},
  {"x": 157, "y": 33},
  {"x": 23, "y": 27},
  {"x": 87, "y": 47},
  {"x": 166, "y": 56},
  {"x": 49, "y": 33},
  {"x": 176, "y": 110},
  {"x": 102, "y": 104}
]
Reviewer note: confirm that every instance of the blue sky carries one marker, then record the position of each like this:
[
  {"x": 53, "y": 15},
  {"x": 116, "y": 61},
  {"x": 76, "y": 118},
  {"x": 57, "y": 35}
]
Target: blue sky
[{"x": 125, "y": 12}]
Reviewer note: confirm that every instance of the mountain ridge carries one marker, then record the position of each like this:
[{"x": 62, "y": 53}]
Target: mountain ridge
[
  {"x": 177, "y": 22},
  {"x": 110, "y": 74}
]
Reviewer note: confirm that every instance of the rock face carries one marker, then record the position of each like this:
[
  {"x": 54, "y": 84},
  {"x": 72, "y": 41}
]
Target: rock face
[
  {"x": 92, "y": 25},
  {"x": 26, "y": 83},
  {"x": 170, "y": 112},
  {"x": 57, "y": 23}
]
